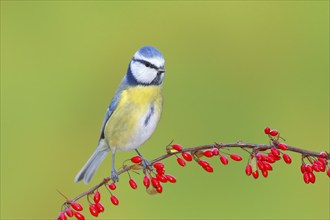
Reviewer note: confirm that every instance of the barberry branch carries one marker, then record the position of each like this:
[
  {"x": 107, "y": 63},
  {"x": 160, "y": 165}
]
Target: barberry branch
[{"x": 261, "y": 156}]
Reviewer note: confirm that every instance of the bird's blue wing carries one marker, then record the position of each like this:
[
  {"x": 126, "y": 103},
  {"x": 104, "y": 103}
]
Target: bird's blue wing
[
  {"x": 113, "y": 105},
  {"x": 108, "y": 114}
]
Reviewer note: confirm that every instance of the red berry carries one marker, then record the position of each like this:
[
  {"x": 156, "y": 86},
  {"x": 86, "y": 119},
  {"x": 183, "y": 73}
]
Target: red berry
[
  {"x": 302, "y": 168},
  {"x": 263, "y": 157},
  {"x": 270, "y": 154},
  {"x": 146, "y": 181},
  {"x": 161, "y": 172},
  {"x": 322, "y": 160},
  {"x": 136, "y": 159},
  {"x": 255, "y": 174},
  {"x": 267, "y": 166},
  {"x": 267, "y": 130},
  {"x": 264, "y": 173},
  {"x": 97, "y": 197},
  {"x": 112, "y": 186},
  {"x": 187, "y": 156},
  {"x": 215, "y": 151},
  {"x": 208, "y": 169},
  {"x": 328, "y": 172},
  {"x": 275, "y": 152},
  {"x": 161, "y": 178},
  {"x": 181, "y": 162},
  {"x": 155, "y": 182},
  {"x": 248, "y": 170},
  {"x": 287, "y": 158},
  {"x": 93, "y": 210},
  {"x": 277, "y": 158},
  {"x": 235, "y": 157},
  {"x": 208, "y": 153},
  {"x": 316, "y": 168},
  {"x": 273, "y": 132},
  {"x": 132, "y": 183},
  {"x": 282, "y": 146},
  {"x": 62, "y": 216},
  {"x": 76, "y": 206},
  {"x": 79, "y": 216},
  {"x": 69, "y": 212},
  {"x": 260, "y": 156},
  {"x": 177, "y": 147},
  {"x": 306, "y": 177},
  {"x": 203, "y": 163},
  {"x": 261, "y": 165},
  {"x": 114, "y": 200},
  {"x": 170, "y": 178},
  {"x": 100, "y": 207},
  {"x": 308, "y": 168},
  {"x": 270, "y": 159},
  {"x": 322, "y": 168},
  {"x": 311, "y": 177},
  {"x": 159, "y": 189},
  {"x": 323, "y": 155},
  {"x": 159, "y": 165},
  {"x": 223, "y": 160},
  {"x": 318, "y": 162}
]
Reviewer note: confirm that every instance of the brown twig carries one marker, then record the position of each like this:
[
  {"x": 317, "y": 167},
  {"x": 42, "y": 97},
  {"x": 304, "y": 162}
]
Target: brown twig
[{"x": 193, "y": 150}]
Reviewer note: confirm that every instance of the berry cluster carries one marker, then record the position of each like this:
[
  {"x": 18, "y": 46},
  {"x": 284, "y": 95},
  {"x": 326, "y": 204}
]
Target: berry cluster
[
  {"x": 74, "y": 208},
  {"x": 196, "y": 155},
  {"x": 317, "y": 164},
  {"x": 261, "y": 161},
  {"x": 153, "y": 180},
  {"x": 153, "y": 177},
  {"x": 73, "y": 211}
]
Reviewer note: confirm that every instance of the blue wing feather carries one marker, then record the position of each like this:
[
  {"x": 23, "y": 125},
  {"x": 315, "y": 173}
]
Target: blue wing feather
[{"x": 113, "y": 105}]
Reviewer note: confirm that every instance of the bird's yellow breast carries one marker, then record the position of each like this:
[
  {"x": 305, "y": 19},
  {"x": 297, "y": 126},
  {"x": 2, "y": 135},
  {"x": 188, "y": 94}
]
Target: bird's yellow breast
[{"x": 126, "y": 128}]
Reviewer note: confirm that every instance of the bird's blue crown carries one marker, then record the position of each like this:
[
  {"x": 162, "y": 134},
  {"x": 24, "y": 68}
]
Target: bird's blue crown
[{"x": 150, "y": 52}]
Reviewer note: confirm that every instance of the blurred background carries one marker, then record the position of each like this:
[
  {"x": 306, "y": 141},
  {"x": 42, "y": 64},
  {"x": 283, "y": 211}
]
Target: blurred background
[{"x": 232, "y": 69}]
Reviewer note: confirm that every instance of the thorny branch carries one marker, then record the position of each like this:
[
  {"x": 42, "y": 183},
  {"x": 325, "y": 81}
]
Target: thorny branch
[{"x": 249, "y": 147}]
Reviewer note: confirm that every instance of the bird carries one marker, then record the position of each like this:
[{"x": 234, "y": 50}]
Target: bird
[{"x": 133, "y": 114}]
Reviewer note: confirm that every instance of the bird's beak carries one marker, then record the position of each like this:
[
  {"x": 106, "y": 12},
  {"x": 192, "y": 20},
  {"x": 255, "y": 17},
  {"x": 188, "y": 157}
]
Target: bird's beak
[{"x": 161, "y": 70}]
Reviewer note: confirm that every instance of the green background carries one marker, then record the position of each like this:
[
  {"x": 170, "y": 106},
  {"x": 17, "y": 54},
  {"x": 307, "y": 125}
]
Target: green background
[{"x": 233, "y": 67}]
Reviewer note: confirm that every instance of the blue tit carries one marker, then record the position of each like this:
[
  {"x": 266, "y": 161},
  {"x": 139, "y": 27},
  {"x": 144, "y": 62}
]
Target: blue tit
[{"x": 133, "y": 114}]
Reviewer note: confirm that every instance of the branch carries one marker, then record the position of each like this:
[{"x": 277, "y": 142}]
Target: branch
[{"x": 261, "y": 156}]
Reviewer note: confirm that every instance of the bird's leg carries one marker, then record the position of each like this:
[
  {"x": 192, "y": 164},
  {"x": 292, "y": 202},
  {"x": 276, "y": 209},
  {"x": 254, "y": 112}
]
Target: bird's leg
[
  {"x": 145, "y": 163},
  {"x": 114, "y": 174}
]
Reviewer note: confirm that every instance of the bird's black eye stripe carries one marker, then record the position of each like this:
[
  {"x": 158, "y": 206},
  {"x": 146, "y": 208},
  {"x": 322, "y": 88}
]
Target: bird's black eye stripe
[{"x": 146, "y": 63}]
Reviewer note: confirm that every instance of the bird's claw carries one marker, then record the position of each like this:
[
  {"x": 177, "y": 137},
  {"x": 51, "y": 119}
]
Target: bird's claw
[
  {"x": 146, "y": 164},
  {"x": 114, "y": 175}
]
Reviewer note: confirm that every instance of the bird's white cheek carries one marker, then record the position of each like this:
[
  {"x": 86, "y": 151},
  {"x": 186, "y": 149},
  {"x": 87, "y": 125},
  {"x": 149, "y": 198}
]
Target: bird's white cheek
[{"x": 143, "y": 74}]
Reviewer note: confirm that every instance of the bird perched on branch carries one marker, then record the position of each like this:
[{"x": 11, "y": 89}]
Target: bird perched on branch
[{"x": 133, "y": 114}]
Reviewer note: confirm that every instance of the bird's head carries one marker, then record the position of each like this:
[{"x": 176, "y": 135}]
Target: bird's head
[{"x": 147, "y": 67}]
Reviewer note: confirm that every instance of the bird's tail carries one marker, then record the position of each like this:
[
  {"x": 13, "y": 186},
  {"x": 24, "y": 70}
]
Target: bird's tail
[{"x": 86, "y": 173}]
